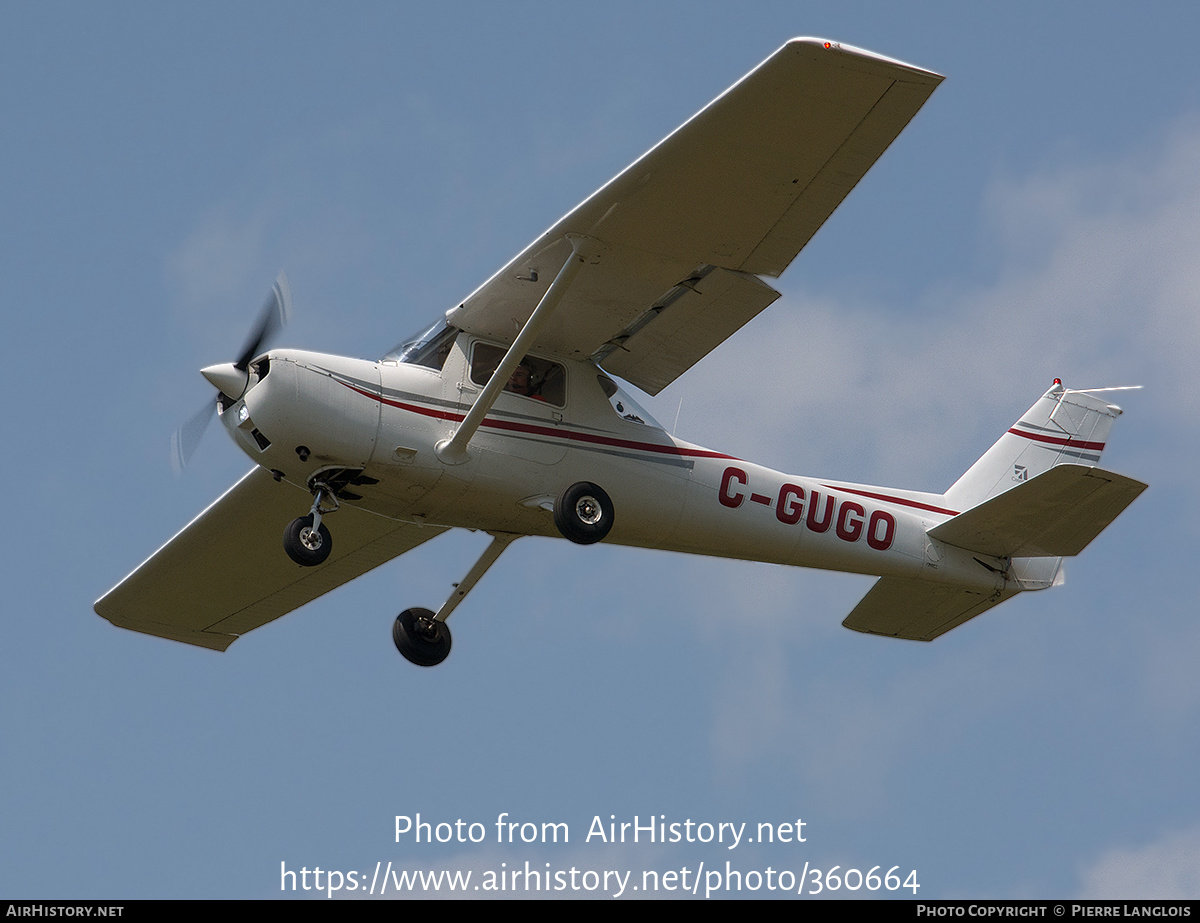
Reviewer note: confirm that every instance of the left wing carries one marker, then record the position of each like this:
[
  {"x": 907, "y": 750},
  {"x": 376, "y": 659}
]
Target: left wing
[
  {"x": 674, "y": 244},
  {"x": 226, "y": 573}
]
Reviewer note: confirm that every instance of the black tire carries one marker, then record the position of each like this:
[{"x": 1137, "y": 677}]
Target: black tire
[
  {"x": 583, "y": 513},
  {"x": 421, "y": 638},
  {"x": 303, "y": 545}
]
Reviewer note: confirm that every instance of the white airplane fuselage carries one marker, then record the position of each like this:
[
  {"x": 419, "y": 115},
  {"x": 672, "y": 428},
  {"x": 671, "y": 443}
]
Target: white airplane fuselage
[{"x": 313, "y": 414}]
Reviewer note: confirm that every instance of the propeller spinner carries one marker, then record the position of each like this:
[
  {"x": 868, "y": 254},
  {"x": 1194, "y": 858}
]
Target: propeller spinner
[{"x": 231, "y": 378}]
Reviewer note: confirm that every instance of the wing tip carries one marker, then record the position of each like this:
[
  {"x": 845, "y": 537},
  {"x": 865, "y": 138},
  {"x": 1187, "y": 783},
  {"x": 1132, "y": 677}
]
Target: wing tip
[
  {"x": 863, "y": 54},
  {"x": 208, "y": 639}
]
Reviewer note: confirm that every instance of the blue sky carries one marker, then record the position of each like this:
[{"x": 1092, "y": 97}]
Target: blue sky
[{"x": 162, "y": 162}]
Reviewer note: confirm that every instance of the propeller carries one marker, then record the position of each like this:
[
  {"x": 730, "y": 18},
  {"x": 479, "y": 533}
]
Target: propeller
[{"x": 231, "y": 378}]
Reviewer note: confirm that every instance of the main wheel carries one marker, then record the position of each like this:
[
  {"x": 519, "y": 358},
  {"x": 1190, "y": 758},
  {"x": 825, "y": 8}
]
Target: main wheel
[
  {"x": 583, "y": 513},
  {"x": 304, "y": 544},
  {"x": 421, "y": 638}
]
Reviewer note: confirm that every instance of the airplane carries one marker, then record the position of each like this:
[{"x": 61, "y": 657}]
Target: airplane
[{"x": 511, "y": 415}]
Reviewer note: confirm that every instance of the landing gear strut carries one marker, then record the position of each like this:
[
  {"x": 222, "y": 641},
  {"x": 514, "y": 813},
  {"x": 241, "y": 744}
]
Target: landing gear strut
[{"x": 424, "y": 638}]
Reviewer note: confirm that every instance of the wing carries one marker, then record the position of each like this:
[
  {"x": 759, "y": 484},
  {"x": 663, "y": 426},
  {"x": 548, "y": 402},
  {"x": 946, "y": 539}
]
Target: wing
[
  {"x": 676, "y": 243},
  {"x": 226, "y": 572}
]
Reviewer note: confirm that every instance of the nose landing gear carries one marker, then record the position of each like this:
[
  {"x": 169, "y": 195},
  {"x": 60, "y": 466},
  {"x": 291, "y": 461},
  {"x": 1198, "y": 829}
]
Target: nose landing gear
[
  {"x": 306, "y": 540},
  {"x": 306, "y": 544}
]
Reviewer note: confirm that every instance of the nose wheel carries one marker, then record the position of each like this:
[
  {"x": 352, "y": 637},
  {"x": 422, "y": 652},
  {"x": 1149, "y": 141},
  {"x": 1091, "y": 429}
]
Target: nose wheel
[
  {"x": 421, "y": 638},
  {"x": 305, "y": 545}
]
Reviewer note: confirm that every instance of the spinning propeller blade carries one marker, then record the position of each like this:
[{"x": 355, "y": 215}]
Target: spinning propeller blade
[
  {"x": 186, "y": 439},
  {"x": 276, "y": 311}
]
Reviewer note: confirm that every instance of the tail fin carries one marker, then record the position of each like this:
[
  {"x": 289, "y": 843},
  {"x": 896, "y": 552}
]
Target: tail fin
[
  {"x": 1063, "y": 427},
  {"x": 1032, "y": 499}
]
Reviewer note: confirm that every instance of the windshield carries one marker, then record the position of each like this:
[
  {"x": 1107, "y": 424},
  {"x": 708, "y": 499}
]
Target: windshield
[{"x": 429, "y": 348}]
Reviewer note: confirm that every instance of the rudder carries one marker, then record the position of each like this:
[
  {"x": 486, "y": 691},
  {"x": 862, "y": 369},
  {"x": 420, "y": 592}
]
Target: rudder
[{"x": 1062, "y": 427}]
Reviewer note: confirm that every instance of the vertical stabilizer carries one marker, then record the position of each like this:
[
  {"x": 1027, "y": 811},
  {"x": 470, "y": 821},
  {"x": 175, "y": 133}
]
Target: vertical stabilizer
[
  {"x": 1035, "y": 497},
  {"x": 1063, "y": 427}
]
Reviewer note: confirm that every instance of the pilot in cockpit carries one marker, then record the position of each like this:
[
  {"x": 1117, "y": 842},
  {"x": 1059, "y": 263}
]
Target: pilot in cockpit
[{"x": 521, "y": 382}]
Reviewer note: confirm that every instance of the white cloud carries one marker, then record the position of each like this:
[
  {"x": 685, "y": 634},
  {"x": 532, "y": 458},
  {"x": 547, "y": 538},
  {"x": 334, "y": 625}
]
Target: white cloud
[
  {"x": 1167, "y": 869},
  {"x": 1107, "y": 293},
  {"x": 222, "y": 254},
  {"x": 1099, "y": 284}
]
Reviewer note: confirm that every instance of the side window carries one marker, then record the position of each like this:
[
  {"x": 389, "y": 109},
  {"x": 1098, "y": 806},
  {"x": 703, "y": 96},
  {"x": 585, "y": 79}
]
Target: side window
[
  {"x": 625, "y": 406},
  {"x": 537, "y": 379}
]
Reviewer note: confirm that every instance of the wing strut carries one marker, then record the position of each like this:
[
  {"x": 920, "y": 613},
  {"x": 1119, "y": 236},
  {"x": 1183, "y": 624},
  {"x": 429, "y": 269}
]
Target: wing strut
[{"x": 453, "y": 451}]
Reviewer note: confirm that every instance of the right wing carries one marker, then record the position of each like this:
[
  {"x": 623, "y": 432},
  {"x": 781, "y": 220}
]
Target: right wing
[
  {"x": 675, "y": 244},
  {"x": 227, "y": 573}
]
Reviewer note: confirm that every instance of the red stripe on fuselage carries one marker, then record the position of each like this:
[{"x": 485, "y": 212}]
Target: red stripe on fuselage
[
  {"x": 915, "y": 504},
  {"x": 513, "y": 426}
]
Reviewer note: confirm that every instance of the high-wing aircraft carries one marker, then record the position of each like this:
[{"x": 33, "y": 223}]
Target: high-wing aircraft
[{"x": 507, "y": 415}]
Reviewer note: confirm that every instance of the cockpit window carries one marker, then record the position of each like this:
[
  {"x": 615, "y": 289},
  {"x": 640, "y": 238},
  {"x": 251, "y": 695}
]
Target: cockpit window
[
  {"x": 625, "y": 406},
  {"x": 539, "y": 379},
  {"x": 428, "y": 348}
]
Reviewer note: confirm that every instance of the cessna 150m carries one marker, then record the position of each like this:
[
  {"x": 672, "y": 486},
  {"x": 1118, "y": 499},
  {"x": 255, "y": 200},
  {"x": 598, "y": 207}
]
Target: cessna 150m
[{"x": 506, "y": 415}]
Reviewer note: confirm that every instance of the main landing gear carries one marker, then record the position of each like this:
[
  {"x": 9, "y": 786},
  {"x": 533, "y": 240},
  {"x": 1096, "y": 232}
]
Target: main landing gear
[
  {"x": 423, "y": 637},
  {"x": 583, "y": 513}
]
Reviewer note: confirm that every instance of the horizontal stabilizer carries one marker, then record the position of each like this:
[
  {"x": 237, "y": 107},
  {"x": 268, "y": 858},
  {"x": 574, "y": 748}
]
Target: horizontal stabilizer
[
  {"x": 919, "y": 610},
  {"x": 1054, "y": 514}
]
